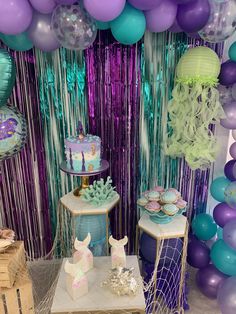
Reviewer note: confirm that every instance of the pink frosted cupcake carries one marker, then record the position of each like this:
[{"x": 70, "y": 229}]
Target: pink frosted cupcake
[
  {"x": 181, "y": 203},
  {"x": 178, "y": 194},
  {"x": 153, "y": 207}
]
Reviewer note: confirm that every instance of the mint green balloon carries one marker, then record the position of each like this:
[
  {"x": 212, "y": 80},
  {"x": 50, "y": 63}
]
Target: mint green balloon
[
  {"x": 204, "y": 227},
  {"x": 8, "y": 76},
  {"x": 20, "y": 42},
  {"x": 224, "y": 258},
  {"x": 232, "y": 52},
  {"x": 129, "y": 27},
  {"x": 218, "y": 187},
  {"x": 102, "y": 25}
]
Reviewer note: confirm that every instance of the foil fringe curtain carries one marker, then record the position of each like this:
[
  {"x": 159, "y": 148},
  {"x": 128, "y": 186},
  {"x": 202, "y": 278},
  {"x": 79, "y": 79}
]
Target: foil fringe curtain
[{"x": 23, "y": 185}]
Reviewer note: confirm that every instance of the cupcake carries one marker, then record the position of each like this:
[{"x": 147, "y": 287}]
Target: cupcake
[
  {"x": 153, "y": 196},
  {"x": 169, "y": 197},
  {"x": 142, "y": 201},
  {"x": 159, "y": 189},
  {"x": 181, "y": 203},
  {"x": 178, "y": 194},
  {"x": 153, "y": 207},
  {"x": 170, "y": 209}
]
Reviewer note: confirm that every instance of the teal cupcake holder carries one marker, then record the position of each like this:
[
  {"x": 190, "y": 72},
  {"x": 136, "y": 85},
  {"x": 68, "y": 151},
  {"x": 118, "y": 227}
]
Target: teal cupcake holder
[{"x": 160, "y": 217}]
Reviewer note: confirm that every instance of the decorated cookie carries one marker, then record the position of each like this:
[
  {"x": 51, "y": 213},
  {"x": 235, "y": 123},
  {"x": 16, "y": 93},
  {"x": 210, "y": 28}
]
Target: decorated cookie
[
  {"x": 153, "y": 207},
  {"x": 169, "y": 197},
  {"x": 178, "y": 194},
  {"x": 170, "y": 209},
  {"x": 181, "y": 203},
  {"x": 159, "y": 189},
  {"x": 153, "y": 196},
  {"x": 142, "y": 201}
]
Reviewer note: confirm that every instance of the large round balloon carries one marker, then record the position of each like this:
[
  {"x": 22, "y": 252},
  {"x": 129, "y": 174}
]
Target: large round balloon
[
  {"x": 224, "y": 258},
  {"x": 15, "y": 16},
  {"x": 41, "y": 34},
  {"x": 218, "y": 187},
  {"x": 104, "y": 10},
  {"x": 232, "y": 52},
  {"x": 20, "y": 42},
  {"x": 230, "y": 194},
  {"x": 74, "y": 28},
  {"x": 229, "y": 234},
  {"x": 227, "y": 75},
  {"x": 223, "y": 213},
  {"x": 230, "y": 173},
  {"x": 193, "y": 15},
  {"x": 208, "y": 280},
  {"x": 222, "y": 21},
  {"x": 13, "y": 132},
  {"x": 145, "y": 4},
  {"x": 102, "y": 25},
  {"x": 227, "y": 295},
  {"x": 8, "y": 76},
  {"x": 129, "y": 27},
  {"x": 225, "y": 93},
  {"x": 198, "y": 254},
  {"x": 43, "y": 6},
  {"x": 175, "y": 28},
  {"x": 204, "y": 227},
  {"x": 65, "y": 1},
  {"x": 230, "y": 112},
  {"x": 162, "y": 17},
  {"x": 232, "y": 150}
]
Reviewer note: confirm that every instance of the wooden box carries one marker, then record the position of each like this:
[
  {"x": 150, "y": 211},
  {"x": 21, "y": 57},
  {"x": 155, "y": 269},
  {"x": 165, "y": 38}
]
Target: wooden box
[
  {"x": 19, "y": 298},
  {"x": 11, "y": 261}
]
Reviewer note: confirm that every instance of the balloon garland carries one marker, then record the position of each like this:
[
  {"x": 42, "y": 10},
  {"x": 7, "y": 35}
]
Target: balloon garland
[{"x": 73, "y": 24}]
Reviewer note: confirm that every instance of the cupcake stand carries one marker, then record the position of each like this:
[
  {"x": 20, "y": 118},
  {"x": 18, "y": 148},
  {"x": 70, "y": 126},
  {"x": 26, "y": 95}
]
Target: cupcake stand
[{"x": 74, "y": 210}]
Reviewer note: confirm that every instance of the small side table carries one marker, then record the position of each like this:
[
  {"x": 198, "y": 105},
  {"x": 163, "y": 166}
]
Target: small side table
[
  {"x": 70, "y": 208},
  {"x": 178, "y": 228}
]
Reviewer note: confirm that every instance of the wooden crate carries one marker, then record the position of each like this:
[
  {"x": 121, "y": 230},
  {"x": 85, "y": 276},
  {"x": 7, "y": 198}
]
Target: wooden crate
[
  {"x": 19, "y": 298},
  {"x": 11, "y": 261}
]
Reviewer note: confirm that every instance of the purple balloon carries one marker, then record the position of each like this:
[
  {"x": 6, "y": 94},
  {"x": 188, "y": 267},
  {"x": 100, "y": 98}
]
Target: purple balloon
[
  {"x": 232, "y": 150},
  {"x": 162, "y": 17},
  {"x": 227, "y": 75},
  {"x": 208, "y": 280},
  {"x": 223, "y": 213},
  {"x": 183, "y": 1},
  {"x": 43, "y": 6},
  {"x": 230, "y": 111},
  {"x": 175, "y": 28},
  {"x": 15, "y": 16},
  {"x": 229, "y": 234},
  {"x": 104, "y": 10},
  {"x": 194, "y": 35},
  {"x": 227, "y": 295},
  {"x": 229, "y": 170},
  {"x": 198, "y": 254},
  {"x": 41, "y": 33},
  {"x": 145, "y": 4},
  {"x": 65, "y": 1},
  {"x": 193, "y": 15}
]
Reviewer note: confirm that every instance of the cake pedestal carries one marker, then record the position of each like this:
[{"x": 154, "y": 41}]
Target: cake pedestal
[{"x": 84, "y": 175}]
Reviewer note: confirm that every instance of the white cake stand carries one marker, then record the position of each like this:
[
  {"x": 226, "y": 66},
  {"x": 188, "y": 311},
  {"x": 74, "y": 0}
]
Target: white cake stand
[{"x": 84, "y": 175}]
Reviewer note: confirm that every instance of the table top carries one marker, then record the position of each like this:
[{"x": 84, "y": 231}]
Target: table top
[
  {"x": 174, "y": 229},
  {"x": 99, "y": 298},
  {"x": 79, "y": 207}
]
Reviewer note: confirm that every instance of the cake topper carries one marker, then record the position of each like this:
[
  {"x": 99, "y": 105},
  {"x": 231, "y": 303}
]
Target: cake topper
[{"x": 80, "y": 131}]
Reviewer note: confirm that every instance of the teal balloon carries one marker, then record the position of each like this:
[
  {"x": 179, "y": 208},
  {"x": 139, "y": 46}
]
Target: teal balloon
[
  {"x": 20, "y": 42},
  {"x": 218, "y": 187},
  {"x": 232, "y": 52},
  {"x": 102, "y": 25},
  {"x": 129, "y": 27},
  {"x": 230, "y": 194},
  {"x": 204, "y": 227},
  {"x": 224, "y": 258},
  {"x": 219, "y": 233},
  {"x": 8, "y": 76}
]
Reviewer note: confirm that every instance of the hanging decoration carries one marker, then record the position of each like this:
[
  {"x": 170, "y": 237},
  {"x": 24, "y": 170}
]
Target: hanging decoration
[{"x": 195, "y": 105}]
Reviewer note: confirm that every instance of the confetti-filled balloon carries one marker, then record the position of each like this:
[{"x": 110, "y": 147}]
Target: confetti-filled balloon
[
  {"x": 13, "y": 131},
  {"x": 222, "y": 22},
  {"x": 229, "y": 122},
  {"x": 225, "y": 93},
  {"x": 230, "y": 194},
  {"x": 74, "y": 28}
]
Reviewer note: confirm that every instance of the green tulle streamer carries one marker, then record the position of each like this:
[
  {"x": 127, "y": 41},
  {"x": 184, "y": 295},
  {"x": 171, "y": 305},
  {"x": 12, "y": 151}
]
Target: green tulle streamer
[
  {"x": 191, "y": 110},
  {"x": 61, "y": 77}
]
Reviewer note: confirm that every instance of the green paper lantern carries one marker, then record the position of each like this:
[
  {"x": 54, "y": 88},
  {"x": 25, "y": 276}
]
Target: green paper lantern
[{"x": 200, "y": 64}]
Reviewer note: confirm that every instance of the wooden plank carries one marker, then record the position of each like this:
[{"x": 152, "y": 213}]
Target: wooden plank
[
  {"x": 26, "y": 298},
  {"x": 12, "y": 301}
]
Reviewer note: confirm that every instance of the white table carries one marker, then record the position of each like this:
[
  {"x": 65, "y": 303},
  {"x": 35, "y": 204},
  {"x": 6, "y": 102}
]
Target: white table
[
  {"x": 99, "y": 299},
  {"x": 74, "y": 206}
]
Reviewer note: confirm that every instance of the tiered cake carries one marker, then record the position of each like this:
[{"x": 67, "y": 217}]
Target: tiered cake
[{"x": 83, "y": 152}]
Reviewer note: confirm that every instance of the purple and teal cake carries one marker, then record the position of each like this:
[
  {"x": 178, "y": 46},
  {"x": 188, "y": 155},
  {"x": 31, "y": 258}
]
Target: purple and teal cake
[{"x": 83, "y": 152}]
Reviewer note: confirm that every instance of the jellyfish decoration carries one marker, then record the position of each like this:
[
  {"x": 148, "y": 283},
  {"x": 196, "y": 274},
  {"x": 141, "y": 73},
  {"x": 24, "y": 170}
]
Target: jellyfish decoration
[
  {"x": 13, "y": 131},
  {"x": 194, "y": 107}
]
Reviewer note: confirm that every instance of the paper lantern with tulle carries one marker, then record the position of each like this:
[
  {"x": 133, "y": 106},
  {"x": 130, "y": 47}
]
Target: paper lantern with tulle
[{"x": 193, "y": 107}]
